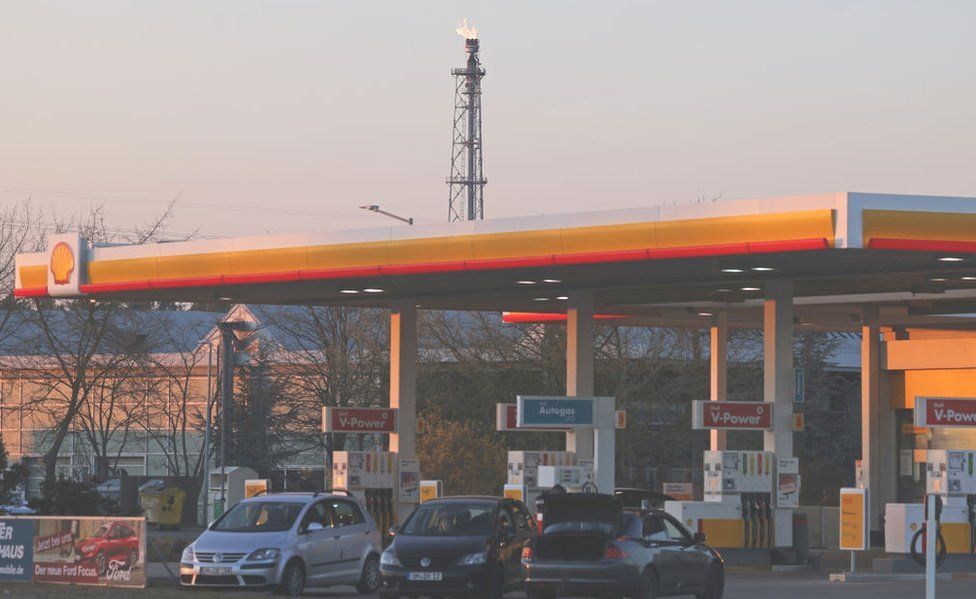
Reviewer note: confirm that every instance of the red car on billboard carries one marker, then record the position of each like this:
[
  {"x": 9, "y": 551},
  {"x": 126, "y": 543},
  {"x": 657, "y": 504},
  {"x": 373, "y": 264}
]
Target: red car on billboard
[{"x": 112, "y": 541}]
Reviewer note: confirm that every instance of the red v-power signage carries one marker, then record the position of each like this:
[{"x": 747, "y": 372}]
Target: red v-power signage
[
  {"x": 359, "y": 420},
  {"x": 945, "y": 411},
  {"x": 737, "y": 415}
]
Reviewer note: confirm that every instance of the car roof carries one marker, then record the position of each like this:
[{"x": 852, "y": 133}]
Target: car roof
[
  {"x": 460, "y": 498},
  {"x": 294, "y": 497}
]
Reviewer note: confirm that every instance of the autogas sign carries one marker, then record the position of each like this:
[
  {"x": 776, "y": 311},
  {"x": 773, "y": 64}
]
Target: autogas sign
[
  {"x": 506, "y": 419},
  {"x": 359, "y": 420},
  {"x": 945, "y": 411},
  {"x": 554, "y": 412},
  {"x": 739, "y": 415}
]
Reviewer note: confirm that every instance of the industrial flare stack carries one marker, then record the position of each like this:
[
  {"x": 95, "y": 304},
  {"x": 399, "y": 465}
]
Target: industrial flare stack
[{"x": 467, "y": 181}]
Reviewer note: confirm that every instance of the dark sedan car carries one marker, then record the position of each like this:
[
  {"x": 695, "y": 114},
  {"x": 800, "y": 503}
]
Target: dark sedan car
[
  {"x": 591, "y": 546},
  {"x": 460, "y": 546}
]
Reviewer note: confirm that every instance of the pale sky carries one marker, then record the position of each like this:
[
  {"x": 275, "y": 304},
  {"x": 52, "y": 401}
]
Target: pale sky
[{"x": 299, "y": 112}]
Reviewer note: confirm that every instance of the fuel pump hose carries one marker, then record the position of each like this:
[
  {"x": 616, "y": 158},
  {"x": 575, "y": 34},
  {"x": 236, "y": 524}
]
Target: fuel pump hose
[{"x": 940, "y": 547}]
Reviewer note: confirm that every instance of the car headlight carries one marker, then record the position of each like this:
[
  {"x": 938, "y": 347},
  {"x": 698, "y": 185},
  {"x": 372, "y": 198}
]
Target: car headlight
[
  {"x": 264, "y": 555},
  {"x": 388, "y": 558},
  {"x": 187, "y": 554},
  {"x": 473, "y": 559}
]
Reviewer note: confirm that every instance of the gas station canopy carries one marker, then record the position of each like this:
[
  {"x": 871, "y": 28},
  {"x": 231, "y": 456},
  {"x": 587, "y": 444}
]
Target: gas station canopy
[{"x": 666, "y": 265}]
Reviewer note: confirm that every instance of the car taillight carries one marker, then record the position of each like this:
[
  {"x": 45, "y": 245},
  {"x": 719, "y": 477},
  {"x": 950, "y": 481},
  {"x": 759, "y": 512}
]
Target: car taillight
[
  {"x": 526, "y": 554},
  {"x": 614, "y": 552}
]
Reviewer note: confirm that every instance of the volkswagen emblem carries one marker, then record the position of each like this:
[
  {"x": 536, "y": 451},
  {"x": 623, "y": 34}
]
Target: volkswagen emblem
[
  {"x": 425, "y": 562},
  {"x": 218, "y": 557}
]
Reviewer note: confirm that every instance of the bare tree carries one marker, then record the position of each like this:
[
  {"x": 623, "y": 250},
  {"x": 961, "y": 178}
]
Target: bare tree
[
  {"x": 78, "y": 346},
  {"x": 328, "y": 356},
  {"x": 19, "y": 232}
]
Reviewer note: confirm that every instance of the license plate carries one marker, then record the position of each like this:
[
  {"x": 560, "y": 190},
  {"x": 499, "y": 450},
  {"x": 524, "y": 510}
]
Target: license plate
[
  {"x": 216, "y": 571},
  {"x": 425, "y": 576}
]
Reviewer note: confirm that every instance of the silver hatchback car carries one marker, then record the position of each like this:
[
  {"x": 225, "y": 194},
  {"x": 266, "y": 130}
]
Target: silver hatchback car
[{"x": 286, "y": 541}]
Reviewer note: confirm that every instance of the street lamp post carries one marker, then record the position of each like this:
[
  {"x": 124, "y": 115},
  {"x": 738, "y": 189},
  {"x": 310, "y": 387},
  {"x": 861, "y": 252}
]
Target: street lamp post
[
  {"x": 206, "y": 435},
  {"x": 376, "y": 208}
]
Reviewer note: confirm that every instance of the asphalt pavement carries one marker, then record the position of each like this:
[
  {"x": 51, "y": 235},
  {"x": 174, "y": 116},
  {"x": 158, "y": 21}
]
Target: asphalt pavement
[
  {"x": 756, "y": 584},
  {"x": 741, "y": 584}
]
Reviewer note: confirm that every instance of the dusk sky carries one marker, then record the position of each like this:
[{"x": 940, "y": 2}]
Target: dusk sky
[{"x": 299, "y": 112}]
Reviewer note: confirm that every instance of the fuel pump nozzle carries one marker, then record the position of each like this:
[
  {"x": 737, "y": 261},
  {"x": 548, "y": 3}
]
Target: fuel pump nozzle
[
  {"x": 755, "y": 516},
  {"x": 746, "y": 519},
  {"x": 763, "y": 524}
]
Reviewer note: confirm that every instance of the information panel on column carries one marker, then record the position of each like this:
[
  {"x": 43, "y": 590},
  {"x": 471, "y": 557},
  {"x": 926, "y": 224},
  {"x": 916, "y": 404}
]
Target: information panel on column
[{"x": 738, "y": 415}]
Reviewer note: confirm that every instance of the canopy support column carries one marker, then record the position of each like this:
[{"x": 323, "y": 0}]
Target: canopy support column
[
  {"x": 719, "y": 362},
  {"x": 878, "y": 456},
  {"x": 403, "y": 390},
  {"x": 778, "y": 387},
  {"x": 588, "y": 444}
]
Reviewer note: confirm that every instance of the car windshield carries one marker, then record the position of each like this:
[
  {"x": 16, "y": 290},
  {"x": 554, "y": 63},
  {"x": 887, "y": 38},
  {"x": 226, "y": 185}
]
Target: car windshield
[
  {"x": 571, "y": 527},
  {"x": 100, "y": 532},
  {"x": 262, "y": 516},
  {"x": 450, "y": 519}
]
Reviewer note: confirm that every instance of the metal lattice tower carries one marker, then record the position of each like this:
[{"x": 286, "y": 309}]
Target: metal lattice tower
[{"x": 467, "y": 180}]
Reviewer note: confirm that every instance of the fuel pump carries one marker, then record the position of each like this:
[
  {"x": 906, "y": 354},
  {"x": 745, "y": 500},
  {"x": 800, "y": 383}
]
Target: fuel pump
[
  {"x": 951, "y": 475},
  {"x": 369, "y": 475},
  {"x": 743, "y": 482},
  {"x": 524, "y": 481}
]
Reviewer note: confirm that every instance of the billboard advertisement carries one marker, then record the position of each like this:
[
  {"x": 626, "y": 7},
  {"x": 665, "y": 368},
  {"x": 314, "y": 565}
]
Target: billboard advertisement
[
  {"x": 83, "y": 550},
  {"x": 738, "y": 415}
]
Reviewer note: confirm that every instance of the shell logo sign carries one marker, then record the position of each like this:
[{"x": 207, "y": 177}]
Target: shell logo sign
[
  {"x": 65, "y": 264},
  {"x": 62, "y": 263}
]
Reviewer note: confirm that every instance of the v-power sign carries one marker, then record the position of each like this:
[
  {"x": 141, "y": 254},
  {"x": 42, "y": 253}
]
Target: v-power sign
[{"x": 739, "y": 415}]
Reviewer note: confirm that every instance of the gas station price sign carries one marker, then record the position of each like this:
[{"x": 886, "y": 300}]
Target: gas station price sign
[
  {"x": 737, "y": 415},
  {"x": 539, "y": 411},
  {"x": 358, "y": 420},
  {"x": 945, "y": 411}
]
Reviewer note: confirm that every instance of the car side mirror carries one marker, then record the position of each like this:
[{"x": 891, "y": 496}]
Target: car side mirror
[
  {"x": 313, "y": 527},
  {"x": 698, "y": 537},
  {"x": 393, "y": 531}
]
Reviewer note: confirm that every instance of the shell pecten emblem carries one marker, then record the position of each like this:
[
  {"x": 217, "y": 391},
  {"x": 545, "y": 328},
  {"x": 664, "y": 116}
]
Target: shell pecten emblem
[{"x": 62, "y": 263}]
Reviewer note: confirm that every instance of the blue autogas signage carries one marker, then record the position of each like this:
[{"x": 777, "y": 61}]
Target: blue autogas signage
[{"x": 537, "y": 411}]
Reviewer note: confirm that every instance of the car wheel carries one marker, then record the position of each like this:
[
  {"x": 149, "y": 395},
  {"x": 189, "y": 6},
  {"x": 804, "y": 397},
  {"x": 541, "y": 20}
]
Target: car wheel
[
  {"x": 292, "y": 579},
  {"x": 100, "y": 564},
  {"x": 715, "y": 585},
  {"x": 370, "y": 579},
  {"x": 648, "y": 585},
  {"x": 133, "y": 558}
]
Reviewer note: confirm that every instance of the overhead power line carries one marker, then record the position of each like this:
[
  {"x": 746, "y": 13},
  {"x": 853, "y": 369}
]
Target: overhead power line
[{"x": 205, "y": 206}]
